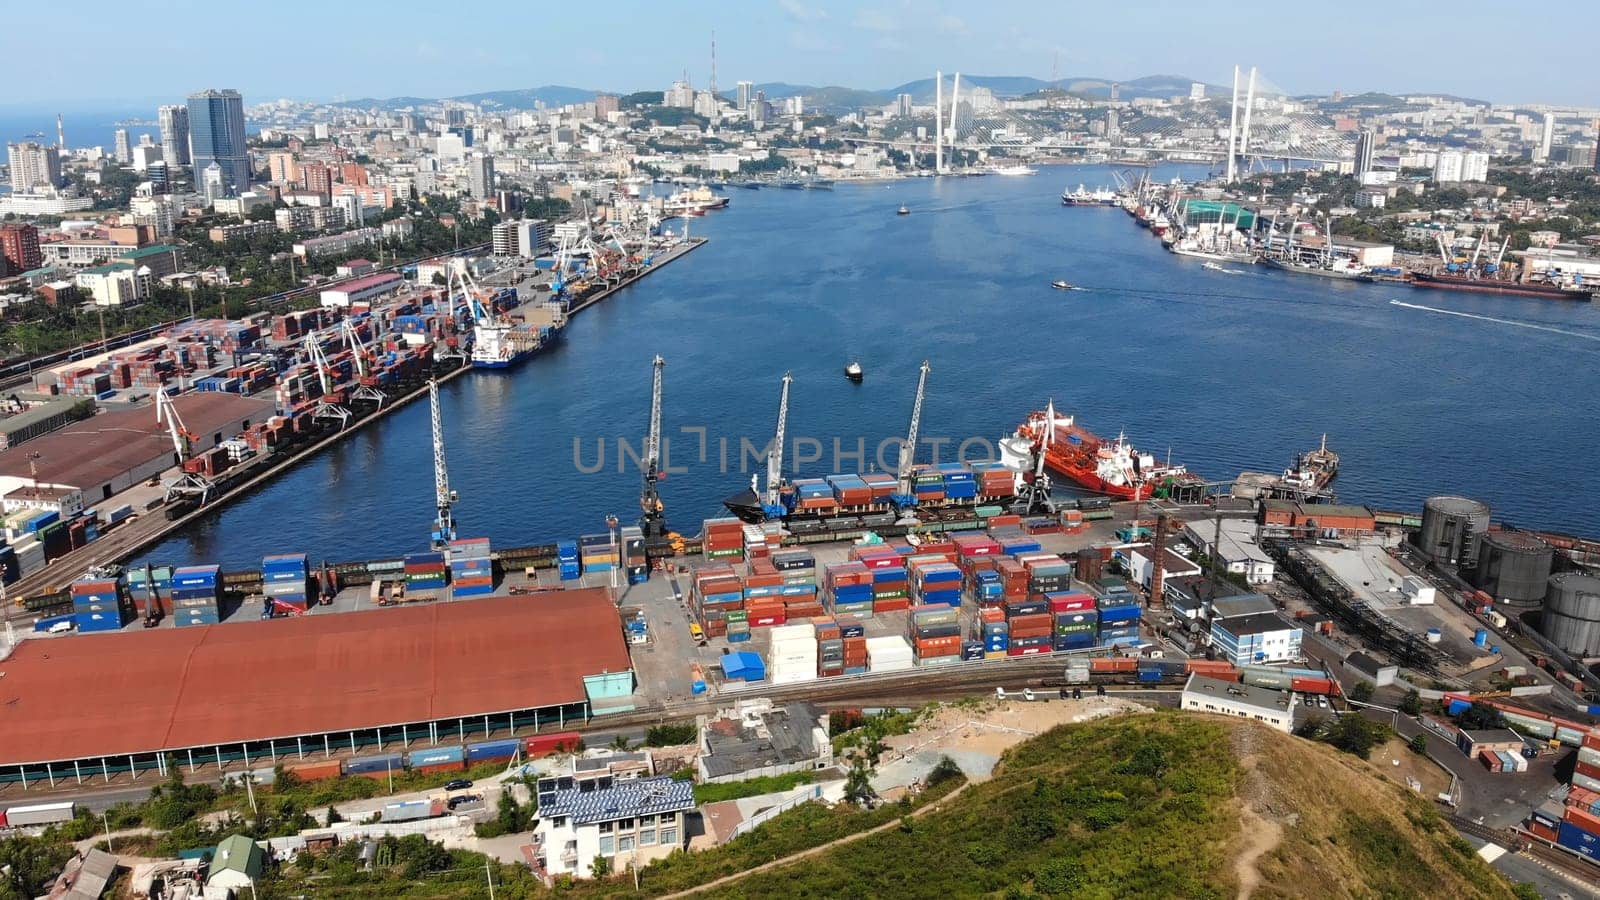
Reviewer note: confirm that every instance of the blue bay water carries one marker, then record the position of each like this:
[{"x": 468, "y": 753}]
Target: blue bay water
[{"x": 1228, "y": 372}]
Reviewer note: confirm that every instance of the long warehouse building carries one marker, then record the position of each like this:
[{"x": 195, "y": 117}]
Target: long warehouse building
[{"x": 270, "y": 691}]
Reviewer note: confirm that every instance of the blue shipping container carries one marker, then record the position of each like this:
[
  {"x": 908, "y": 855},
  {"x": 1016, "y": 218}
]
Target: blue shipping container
[
  {"x": 367, "y": 765},
  {"x": 436, "y": 756},
  {"x": 493, "y": 750},
  {"x": 1579, "y": 841}
]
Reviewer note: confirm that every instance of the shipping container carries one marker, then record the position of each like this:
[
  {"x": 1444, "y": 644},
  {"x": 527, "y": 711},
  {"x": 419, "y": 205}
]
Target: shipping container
[
  {"x": 489, "y": 750},
  {"x": 557, "y": 742},
  {"x": 381, "y": 764},
  {"x": 40, "y": 814}
]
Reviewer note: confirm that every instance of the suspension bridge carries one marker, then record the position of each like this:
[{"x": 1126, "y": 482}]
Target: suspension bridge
[{"x": 1259, "y": 125}]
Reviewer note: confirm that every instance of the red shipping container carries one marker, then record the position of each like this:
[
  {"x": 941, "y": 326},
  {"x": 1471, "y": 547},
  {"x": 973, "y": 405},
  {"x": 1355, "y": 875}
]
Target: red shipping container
[
  {"x": 1587, "y": 821},
  {"x": 1588, "y": 769},
  {"x": 1026, "y": 651},
  {"x": 315, "y": 771},
  {"x": 1072, "y": 603},
  {"x": 442, "y": 767},
  {"x": 1592, "y": 740},
  {"x": 764, "y": 621},
  {"x": 1541, "y": 830},
  {"x": 542, "y": 744},
  {"x": 1311, "y": 685}
]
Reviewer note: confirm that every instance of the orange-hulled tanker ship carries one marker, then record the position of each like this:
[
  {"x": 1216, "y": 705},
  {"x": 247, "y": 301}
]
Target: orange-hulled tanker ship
[{"x": 1113, "y": 468}]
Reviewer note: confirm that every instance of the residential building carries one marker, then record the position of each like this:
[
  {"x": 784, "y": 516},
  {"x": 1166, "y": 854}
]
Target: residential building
[
  {"x": 1547, "y": 136},
  {"x": 161, "y": 259},
  {"x": 705, "y": 104},
  {"x": 143, "y": 157},
  {"x": 282, "y": 168},
  {"x": 1275, "y": 709},
  {"x": 680, "y": 95},
  {"x": 742, "y": 93},
  {"x": 174, "y": 121},
  {"x": 1366, "y": 151},
  {"x": 1256, "y": 638},
  {"x": 503, "y": 241},
  {"x": 244, "y": 231},
  {"x": 604, "y": 106},
  {"x": 757, "y": 738},
  {"x": 294, "y": 218},
  {"x": 600, "y": 812},
  {"x": 236, "y": 865},
  {"x": 398, "y": 229},
  {"x": 1232, "y": 542},
  {"x": 212, "y": 183},
  {"x": 372, "y": 196},
  {"x": 217, "y": 136},
  {"x": 902, "y": 105},
  {"x": 325, "y": 217},
  {"x": 123, "y": 151},
  {"x": 109, "y": 285},
  {"x": 19, "y": 244},
  {"x": 350, "y": 205},
  {"x": 480, "y": 176},
  {"x": 50, "y": 203},
  {"x": 533, "y": 237},
  {"x": 33, "y": 166},
  {"x": 333, "y": 244},
  {"x": 241, "y": 205},
  {"x": 317, "y": 178},
  {"x": 1456, "y": 166}
]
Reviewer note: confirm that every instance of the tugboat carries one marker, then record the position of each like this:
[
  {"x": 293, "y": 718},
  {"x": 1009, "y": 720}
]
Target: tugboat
[
  {"x": 1061, "y": 284},
  {"x": 903, "y": 210},
  {"x": 854, "y": 373}
]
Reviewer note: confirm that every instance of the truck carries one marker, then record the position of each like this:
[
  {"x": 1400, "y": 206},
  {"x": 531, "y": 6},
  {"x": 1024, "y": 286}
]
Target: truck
[{"x": 41, "y": 814}]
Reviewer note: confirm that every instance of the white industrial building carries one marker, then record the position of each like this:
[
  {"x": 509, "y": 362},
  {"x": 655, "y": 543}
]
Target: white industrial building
[
  {"x": 362, "y": 290},
  {"x": 1226, "y": 698},
  {"x": 1235, "y": 547}
]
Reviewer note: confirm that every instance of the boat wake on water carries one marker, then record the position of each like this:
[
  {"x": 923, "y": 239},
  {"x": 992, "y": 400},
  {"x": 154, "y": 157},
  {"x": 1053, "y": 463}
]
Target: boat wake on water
[{"x": 1512, "y": 322}]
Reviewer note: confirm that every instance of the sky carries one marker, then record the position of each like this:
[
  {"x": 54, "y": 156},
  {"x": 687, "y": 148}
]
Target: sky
[{"x": 113, "y": 55}]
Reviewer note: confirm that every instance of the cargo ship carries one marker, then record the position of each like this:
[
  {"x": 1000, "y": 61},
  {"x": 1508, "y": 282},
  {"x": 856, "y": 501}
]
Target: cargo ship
[
  {"x": 1113, "y": 468},
  {"x": 1313, "y": 470},
  {"x": 1084, "y": 197},
  {"x": 1489, "y": 284},
  {"x": 874, "y": 500},
  {"x": 503, "y": 342}
]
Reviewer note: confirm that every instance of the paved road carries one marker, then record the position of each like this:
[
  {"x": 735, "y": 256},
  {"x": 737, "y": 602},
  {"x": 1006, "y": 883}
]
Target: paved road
[{"x": 1552, "y": 884}]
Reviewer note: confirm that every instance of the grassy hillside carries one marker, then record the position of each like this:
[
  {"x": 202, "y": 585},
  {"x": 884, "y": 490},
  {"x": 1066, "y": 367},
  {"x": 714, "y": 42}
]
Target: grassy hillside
[{"x": 1163, "y": 805}]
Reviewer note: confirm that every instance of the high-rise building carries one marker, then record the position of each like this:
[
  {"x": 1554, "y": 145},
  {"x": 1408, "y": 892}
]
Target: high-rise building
[
  {"x": 216, "y": 135},
  {"x": 123, "y": 151},
  {"x": 1113, "y": 126},
  {"x": 604, "y": 106},
  {"x": 213, "y": 184},
  {"x": 680, "y": 95},
  {"x": 743, "y": 91},
  {"x": 33, "y": 165},
  {"x": 480, "y": 176},
  {"x": 282, "y": 168},
  {"x": 19, "y": 244},
  {"x": 1459, "y": 166},
  {"x": 351, "y": 205},
  {"x": 318, "y": 178},
  {"x": 1197, "y": 90},
  {"x": 1596, "y": 161},
  {"x": 174, "y": 121},
  {"x": 902, "y": 105},
  {"x": 1366, "y": 151},
  {"x": 1547, "y": 137}
]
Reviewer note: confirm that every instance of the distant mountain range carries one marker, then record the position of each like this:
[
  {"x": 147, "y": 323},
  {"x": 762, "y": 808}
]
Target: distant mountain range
[{"x": 834, "y": 97}]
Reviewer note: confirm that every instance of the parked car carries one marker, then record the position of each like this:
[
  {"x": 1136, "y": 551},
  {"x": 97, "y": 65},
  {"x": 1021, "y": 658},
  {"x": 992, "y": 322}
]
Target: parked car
[
  {"x": 60, "y": 628},
  {"x": 459, "y": 784}
]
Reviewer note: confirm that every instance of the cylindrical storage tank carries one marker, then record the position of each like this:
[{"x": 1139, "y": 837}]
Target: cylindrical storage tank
[
  {"x": 1514, "y": 567},
  {"x": 1451, "y": 529},
  {"x": 1435, "y": 635},
  {"x": 1572, "y": 614}
]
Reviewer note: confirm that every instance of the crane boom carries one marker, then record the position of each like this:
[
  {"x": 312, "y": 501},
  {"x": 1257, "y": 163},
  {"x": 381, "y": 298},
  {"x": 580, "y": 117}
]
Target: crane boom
[
  {"x": 653, "y": 522},
  {"x": 775, "y": 455},
  {"x": 908, "y": 450},
  {"x": 444, "y": 525},
  {"x": 167, "y": 414},
  {"x": 356, "y": 347}
]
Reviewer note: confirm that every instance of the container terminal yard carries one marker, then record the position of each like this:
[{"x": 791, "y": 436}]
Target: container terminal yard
[{"x": 882, "y": 589}]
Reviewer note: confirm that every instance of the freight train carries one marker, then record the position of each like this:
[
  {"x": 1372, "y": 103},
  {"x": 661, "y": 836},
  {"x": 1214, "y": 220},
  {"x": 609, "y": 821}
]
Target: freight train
[
  {"x": 452, "y": 758},
  {"x": 1128, "y": 670}
]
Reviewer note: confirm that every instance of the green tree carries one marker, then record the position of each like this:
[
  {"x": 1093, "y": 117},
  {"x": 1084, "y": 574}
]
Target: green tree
[
  {"x": 1419, "y": 745},
  {"x": 1354, "y": 734},
  {"x": 671, "y": 735},
  {"x": 857, "y": 786},
  {"x": 1362, "y": 692},
  {"x": 333, "y": 817},
  {"x": 1411, "y": 703},
  {"x": 27, "y": 864},
  {"x": 601, "y": 867},
  {"x": 1059, "y": 877}
]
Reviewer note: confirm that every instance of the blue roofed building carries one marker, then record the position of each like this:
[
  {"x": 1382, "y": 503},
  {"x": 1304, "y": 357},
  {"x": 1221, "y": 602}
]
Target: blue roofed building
[{"x": 629, "y": 821}]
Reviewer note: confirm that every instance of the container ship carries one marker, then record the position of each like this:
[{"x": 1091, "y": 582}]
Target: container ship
[
  {"x": 874, "y": 500},
  {"x": 1492, "y": 285},
  {"x": 512, "y": 337},
  {"x": 1113, "y": 468}
]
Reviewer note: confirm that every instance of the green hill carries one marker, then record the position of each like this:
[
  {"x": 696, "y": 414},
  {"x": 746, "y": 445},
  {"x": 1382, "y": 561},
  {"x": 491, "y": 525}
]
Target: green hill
[{"x": 1162, "y": 805}]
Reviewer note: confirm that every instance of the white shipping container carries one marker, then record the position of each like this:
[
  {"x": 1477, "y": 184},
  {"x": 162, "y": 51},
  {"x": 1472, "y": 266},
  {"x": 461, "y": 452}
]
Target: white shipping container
[{"x": 40, "y": 814}]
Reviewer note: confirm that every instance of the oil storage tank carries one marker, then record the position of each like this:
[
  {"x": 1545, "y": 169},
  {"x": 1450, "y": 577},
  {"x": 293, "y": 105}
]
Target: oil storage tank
[
  {"x": 1513, "y": 567},
  {"x": 1451, "y": 529},
  {"x": 1572, "y": 614}
]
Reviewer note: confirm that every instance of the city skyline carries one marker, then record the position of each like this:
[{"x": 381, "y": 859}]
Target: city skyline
[{"x": 1369, "y": 46}]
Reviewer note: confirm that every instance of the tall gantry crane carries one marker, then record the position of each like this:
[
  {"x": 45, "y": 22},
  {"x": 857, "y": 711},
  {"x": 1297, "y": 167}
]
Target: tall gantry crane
[
  {"x": 187, "y": 484},
  {"x": 444, "y": 523},
  {"x": 331, "y": 404},
  {"x": 770, "y": 502},
  {"x": 366, "y": 383},
  {"x": 1033, "y": 490},
  {"x": 653, "y": 521},
  {"x": 908, "y": 451}
]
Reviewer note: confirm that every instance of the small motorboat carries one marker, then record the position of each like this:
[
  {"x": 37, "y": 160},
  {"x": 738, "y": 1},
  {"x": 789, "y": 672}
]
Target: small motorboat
[
  {"x": 853, "y": 372},
  {"x": 903, "y": 210},
  {"x": 1061, "y": 284}
]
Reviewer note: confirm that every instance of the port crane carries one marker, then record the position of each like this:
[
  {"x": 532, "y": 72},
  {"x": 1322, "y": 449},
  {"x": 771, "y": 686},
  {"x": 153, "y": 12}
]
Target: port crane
[
  {"x": 329, "y": 405},
  {"x": 1033, "y": 491},
  {"x": 188, "y": 485},
  {"x": 905, "y": 497},
  {"x": 444, "y": 523},
  {"x": 770, "y": 502},
  {"x": 653, "y": 521},
  {"x": 366, "y": 388}
]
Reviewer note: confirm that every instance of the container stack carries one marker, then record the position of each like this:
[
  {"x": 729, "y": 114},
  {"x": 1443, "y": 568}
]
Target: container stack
[
  {"x": 568, "y": 565},
  {"x": 1579, "y": 828},
  {"x": 1029, "y": 627},
  {"x": 151, "y": 589},
  {"x": 794, "y": 654},
  {"x": 715, "y": 591},
  {"x": 935, "y": 634},
  {"x": 936, "y": 582},
  {"x": 849, "y": 589},
  {"x": 1047, "y": 573},
  {"x": 958, "y": 482},
  {"x": 425, "y": 571},
  {"x": 763, "y": 595},
  {"x": 1013, "y": 579},
  {"x": 815, "y": 495},
  {"x": 852, "y": 638},
  {"x": 891, "y": 589},
  {"x": 850, "y": 490},
  {"x": 1588, "y": 764},
  {"x": 761, "y": 540},
  {"x": 633, "y": 558},
  {"x": 888, "y": 654},
  {"x": 927, "y": 485},
  {"x": 284, "y": 579},
  {"x": 799, "y": 590},
  {"x": 993, "y": 632},
  {"x": 471, "y": 568},
  {"x": 723, "y": 539},
  {"x": 196, "y": 595},
  {"x": 1076, "y": 620},
  {"x": 830, "y": 648},
  {"x": 738, "y": 624},
  {"x": 994, "y": 479},
  {"x": 599, "y": 552},
  {"x": 98, "y": 604},
  {"x": 1119, "y": 619},
  {"x": 882, "y": 484}
]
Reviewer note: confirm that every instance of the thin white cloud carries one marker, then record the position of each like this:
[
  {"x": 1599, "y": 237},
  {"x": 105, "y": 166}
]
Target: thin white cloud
[
  {"x": 809, "y": 41},
  {"x": 800, "y": 12},
  {"x": 876, "y": 20},
  {"x": 952, "y": 24}
]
